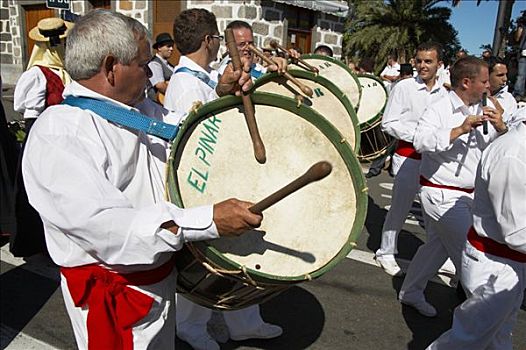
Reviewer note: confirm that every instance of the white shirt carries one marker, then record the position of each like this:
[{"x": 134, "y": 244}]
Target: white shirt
[
  {"x": 393, "y": 70},
  {"x": 499, "y": 210},
  {"x": 507, "y": 101},
  {"x": 184, "y": 88},
  {"x": 157, "y": 70},
  {"x": 443, "y": 75},
  {"x": 256, "y": 69},
  {"x": 444, "y": 162},
  {"x": 99, "y": 189},
  {"x": 406, "y": 104},
  {"x": 30, "y": 92}
]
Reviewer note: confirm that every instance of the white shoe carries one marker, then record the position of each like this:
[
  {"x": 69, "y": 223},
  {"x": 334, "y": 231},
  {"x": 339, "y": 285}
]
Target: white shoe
[
  {"x": 389, "y": 264},
  {"x": 422, "y": 306},
  {"x": 200, "y": 342},
  {"x": 264, "y": 331}
]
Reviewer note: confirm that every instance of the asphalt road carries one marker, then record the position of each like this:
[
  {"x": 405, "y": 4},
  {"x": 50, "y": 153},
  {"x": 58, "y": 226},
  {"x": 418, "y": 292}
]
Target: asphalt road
[{"x": 354, "y": 306}]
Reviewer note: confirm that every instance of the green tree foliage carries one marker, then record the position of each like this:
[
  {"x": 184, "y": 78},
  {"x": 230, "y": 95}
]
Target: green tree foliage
[{"x": 377, "y": 28}]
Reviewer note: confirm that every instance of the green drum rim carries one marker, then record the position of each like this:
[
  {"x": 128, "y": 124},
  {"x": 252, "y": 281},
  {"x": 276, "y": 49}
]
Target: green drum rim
[
  {"x": 379, "y": 115},
  {"x": 308, "y": 114},
  {"x": 341, "y": 64},
  {"x": 335, "y": 90}
]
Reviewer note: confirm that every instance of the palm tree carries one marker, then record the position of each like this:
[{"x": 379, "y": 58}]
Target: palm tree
[{"x": 378, "y": 28}]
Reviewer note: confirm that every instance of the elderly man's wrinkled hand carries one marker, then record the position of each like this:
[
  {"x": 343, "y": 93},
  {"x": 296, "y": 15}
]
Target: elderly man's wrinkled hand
[{"x": 232, "y": 217}]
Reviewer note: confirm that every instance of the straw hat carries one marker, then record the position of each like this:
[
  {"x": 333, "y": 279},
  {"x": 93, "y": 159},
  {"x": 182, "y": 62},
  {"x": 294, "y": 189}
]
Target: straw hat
[{"x": 50, "y": 27}]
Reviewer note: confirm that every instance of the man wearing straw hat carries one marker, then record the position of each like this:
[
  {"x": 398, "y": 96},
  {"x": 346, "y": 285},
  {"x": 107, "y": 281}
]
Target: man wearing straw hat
[
  {"x": 100, "y": 191},
  {"x": 39, "y": 87}
]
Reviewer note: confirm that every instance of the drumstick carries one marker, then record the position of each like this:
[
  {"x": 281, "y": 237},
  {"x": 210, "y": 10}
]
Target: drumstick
[
  {"x": 275, "y": 45},
  {"x": 316, "y": 172},
  {"x": 259, "y": 147},
  {"x": 305, "y": 89}
]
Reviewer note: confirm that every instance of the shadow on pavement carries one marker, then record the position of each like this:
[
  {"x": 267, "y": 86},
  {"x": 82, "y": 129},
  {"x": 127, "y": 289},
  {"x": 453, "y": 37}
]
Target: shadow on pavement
[
  {"x": 425, "y": 329},
  {"x": 297, "y": 311},
  {"x": 22, "y": 296},
  {"x": 373, "y": 224}
]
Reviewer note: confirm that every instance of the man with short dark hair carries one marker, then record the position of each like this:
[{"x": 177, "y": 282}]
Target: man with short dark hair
[
  {"x": 498, "y": 86},
  {"x": 405, "y": 106},
  {"x": 162, "y": 70},
  {"x": 451, "y": 140},
  {"x": 197, "y": 38},
  {"x": 494, "y": 257}
]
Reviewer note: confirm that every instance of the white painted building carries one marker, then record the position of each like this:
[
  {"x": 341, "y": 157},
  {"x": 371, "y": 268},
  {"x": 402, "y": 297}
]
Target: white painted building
[{"x": 296, "y": 23}]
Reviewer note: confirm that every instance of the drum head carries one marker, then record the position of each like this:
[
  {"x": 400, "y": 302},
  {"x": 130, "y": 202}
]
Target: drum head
[
  {"x": 303, "y": 235},
  {"x": 372, "y": 101},
  {"x": 327, "y": 99},
  {"x": 337, "y": 72}
]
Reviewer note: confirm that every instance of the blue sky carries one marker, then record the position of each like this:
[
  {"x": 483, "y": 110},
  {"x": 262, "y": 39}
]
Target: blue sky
[{"x": 476, "y": 24}]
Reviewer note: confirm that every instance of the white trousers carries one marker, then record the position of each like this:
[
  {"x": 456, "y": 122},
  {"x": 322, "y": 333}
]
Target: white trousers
[
  {"x": 155, "y": 331},
  {"x": 405, "y": 187},
  {"x": 495, "y": 288},
  {"x": 447, "y": 217},
  {"x": 192, "y": 318}
]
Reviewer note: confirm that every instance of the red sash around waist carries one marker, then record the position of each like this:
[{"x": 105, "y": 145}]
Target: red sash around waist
[
  {"x": 406, "y": 149},
  {"x": 426, "y": 182},
  {"x": 113, "y": 307},
  {"x": 487, "y": 245}
]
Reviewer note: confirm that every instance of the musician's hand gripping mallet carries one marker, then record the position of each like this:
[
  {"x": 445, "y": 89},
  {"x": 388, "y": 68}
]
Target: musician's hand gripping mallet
[
  {"x": 315, "y": 173},
  {"x": 259, "y": 147},
  {"x": 304, "y": 88},
  {"x": 275, "y": 45}
]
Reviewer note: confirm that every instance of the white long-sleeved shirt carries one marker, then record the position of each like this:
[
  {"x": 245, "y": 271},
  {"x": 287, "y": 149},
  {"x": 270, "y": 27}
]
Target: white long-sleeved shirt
[
  {"x": 30, "y": 92},
  {"x": 407, "y": 102},
  {"x": 499, "y": 207},
  {"x": 184, "y": 89},
  {"x": 99, "y": 189},
  {"x": 157, "y": 70},
  {"x": 444, "y": 162}
]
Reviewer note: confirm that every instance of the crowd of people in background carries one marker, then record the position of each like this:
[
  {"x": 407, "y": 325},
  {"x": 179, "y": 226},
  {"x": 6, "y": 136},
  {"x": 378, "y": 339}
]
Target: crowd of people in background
[{"x": 463, "y": 155}]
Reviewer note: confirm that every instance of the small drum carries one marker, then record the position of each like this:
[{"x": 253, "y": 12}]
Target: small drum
[
  {"x": 336, "y": 72},
  {"x": 301, "y": 237},
  {"x": 374, "y": 142},
  {"x": 327, "y": 99}
]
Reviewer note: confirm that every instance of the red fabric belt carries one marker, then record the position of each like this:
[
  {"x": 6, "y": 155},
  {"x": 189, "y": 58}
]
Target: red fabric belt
[
  {"x": 487, "y": 245},
  {"x": 426, "y": 182},
  {"x": 406, "y": 149},
  {"x": 113, "y": 307}
]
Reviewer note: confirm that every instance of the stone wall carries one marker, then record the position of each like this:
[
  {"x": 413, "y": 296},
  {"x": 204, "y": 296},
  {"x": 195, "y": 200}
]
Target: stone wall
[
  {"x": 10, "y": 41},
  {"x": 266, "y": 17},
  {"x": 138, "y": 9},
  {"x": 268, "y": 22}
]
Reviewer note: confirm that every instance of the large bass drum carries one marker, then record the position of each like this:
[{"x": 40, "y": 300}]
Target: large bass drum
[
  {"x": 301, "y": 237},
  {"x": 336, "y": 72},
  {"x": 374, "y": 142},
  {"x": 327, "y": 99}
]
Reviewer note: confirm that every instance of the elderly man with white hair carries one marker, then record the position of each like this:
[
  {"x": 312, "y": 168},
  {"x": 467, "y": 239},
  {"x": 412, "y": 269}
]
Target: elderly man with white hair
[{"x": 100, "y": 190}]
